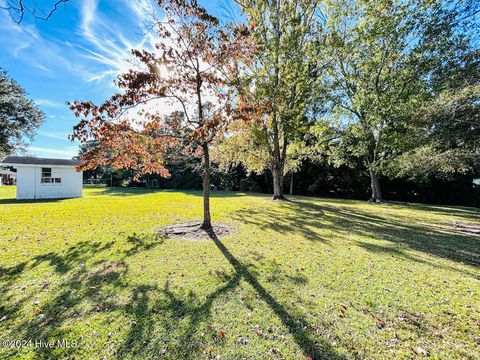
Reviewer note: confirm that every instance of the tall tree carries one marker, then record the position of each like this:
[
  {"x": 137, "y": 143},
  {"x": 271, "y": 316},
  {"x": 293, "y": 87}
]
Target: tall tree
[
  {"x": 448, "y": 145},
  {"x": 20, "y": 117},
  {"x": 277, "y": 87},
  {"x": 187, "y": 71},
  {"x": 382, "y": 54}
]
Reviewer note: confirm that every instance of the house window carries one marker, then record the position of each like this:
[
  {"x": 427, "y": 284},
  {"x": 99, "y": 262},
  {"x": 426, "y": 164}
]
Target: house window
[
  {"x": 46, "y": 172},
  {"x": 47, "y": 177}
]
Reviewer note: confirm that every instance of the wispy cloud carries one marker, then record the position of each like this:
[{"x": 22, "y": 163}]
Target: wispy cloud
[
  {"x": 51, "y": 103},
  {"x": 44, "y": 151},
  {"x": 58, "y": 135},
  {"x": 143, "y": 9},
  {"x": 25, "y": 43},
  {"x": 107, "y": 44},
  {"x": 103, "y": 46}
]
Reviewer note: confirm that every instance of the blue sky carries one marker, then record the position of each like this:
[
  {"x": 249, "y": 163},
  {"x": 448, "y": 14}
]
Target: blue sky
[{"x": 75, "y": 55}]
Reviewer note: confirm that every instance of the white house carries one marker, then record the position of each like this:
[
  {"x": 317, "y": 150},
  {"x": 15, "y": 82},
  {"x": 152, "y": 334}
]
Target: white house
[{"x": 40, "y": 178}]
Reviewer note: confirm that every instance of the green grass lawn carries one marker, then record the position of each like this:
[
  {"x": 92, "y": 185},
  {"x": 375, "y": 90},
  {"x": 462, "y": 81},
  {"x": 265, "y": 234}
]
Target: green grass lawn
[{"x": 309, "y": 277}]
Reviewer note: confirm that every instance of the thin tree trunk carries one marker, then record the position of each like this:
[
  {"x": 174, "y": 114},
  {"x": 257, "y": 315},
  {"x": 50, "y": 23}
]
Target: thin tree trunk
[
  {"x": 277, "y": 183},
  {"x": 291, "y": 183},
  {"x": 375, "y": 185},
  {"x": 207, "y": 223},
  {"x": 277, "y": 168}
]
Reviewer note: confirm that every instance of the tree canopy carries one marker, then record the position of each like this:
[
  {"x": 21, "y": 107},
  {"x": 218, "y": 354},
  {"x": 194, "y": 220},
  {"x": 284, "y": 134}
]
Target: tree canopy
[
  {"x": 188, "y": 72},
  {"x": 276, "y": 89},
  {"x": 386, "y": 87},
  {"x": 20, "y": 117},
  {"x": 383, "y": 57}
]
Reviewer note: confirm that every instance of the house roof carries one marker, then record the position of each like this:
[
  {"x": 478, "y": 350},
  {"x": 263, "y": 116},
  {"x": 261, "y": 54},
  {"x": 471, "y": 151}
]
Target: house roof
[{"x": 30, "y": 160}]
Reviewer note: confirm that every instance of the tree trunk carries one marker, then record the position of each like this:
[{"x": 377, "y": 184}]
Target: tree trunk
[
  {"x": 277, "y": 184},
  {"x": 375, "y": 185},
  {"x": 291, "y": 183},
  {"x": 207, "y": 223}
]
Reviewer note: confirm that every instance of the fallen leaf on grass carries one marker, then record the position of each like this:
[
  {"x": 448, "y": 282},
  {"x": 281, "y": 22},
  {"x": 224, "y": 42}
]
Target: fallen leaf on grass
[
  {"x": 47, "y": 321},
  {"x": 380, "y": 322},
  {"x": 37, "y": 310},
  {"x": 419, "y": 350},
  {"x": 257, "y": 329},
  {"x": 343, "y": 309}
]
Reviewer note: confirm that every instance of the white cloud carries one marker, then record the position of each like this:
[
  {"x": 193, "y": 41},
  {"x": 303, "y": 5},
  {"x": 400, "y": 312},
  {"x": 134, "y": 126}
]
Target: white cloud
[
  {"x": 107, "y": 43},
  {"x": 53, "y": 135},
  {"x": 100, "y": 52},
  {"x": 25, "y": 43},
  {"x": 143, "y": 9},
  {"x": 44, "y": 151},
  {"x": 51, "y": 103}
]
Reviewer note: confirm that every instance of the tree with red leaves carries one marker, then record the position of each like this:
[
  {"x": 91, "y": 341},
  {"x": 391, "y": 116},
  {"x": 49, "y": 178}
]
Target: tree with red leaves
[{"x": 188, "y": 70}]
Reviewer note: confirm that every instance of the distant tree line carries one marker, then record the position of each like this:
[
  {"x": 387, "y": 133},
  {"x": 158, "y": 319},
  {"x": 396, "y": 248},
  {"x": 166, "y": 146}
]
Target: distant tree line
[{"x": 312, "y": 179}]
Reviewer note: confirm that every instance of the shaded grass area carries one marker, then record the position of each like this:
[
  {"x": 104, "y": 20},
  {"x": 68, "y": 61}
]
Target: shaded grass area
[{"x": 326, "y": 279}]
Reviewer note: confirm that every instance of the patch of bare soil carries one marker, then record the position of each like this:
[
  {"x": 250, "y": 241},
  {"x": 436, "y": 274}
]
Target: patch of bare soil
[
  {"x": 469, "y": 229},
  {"x": 194, "y": 231}
]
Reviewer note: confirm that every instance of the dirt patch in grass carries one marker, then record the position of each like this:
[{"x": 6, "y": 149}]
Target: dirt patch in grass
[
  {"x": 193, "y": 231},
  {"x": 468, "y": 229}
]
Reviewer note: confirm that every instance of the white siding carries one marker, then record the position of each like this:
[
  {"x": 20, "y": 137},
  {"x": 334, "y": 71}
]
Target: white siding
[
  {"x": 26, "y": 182},
  {"x": 30, "y": 187}
]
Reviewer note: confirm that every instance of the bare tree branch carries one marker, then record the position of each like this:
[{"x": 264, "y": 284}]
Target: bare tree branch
[{"x": 18, "y": 8}]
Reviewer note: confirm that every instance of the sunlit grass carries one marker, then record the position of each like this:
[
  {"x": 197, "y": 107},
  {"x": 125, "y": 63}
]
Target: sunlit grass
[{"x": 308, "y": 277}]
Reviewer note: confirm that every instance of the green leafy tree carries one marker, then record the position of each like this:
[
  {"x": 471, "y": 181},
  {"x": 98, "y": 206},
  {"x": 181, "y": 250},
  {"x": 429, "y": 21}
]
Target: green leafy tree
[
  {"x": 382, "y": 55},
  {"x": 449, "y": 143},
  {"x": 20, "y": 117},
  {"x": 277, "y": 88}
]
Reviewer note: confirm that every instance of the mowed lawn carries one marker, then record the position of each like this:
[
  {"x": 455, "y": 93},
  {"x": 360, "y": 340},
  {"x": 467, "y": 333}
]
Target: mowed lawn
[{"x": 310, "y": 277}]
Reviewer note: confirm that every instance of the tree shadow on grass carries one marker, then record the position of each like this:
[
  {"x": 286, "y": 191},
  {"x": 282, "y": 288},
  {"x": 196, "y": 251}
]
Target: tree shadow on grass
[
  {"x": 405, "y": 234},
  {"x": 188, "y": 319},
  {"x": 184, "y": 317},
  {"x": 124, "y": 191},
  {"x": 305, "y": 223},
  {"x": 167, "y": 314},
  {"x": 308, "y": 219},
  {"x": 296, "y": 326},
  {"x": 81, "y": 291},
  {"x": 95, "y": 286}
]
